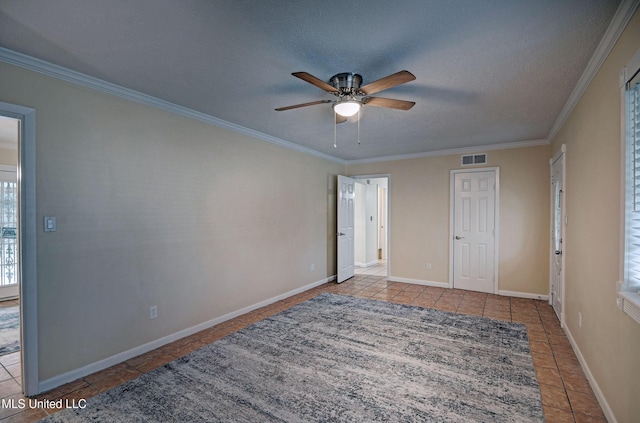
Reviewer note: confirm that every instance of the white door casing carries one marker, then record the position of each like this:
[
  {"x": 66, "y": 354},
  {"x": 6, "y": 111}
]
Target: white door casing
[
  {"x": 556, "y": 266},
  {"x": 27, "y": 233},
  {"x": 473, "y": 229},
  {"x": 345, "y": 223}
]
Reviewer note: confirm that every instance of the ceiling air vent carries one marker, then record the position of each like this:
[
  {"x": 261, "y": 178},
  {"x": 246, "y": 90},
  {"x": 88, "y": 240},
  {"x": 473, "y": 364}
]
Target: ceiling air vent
[{"x": 474, "y": 159}]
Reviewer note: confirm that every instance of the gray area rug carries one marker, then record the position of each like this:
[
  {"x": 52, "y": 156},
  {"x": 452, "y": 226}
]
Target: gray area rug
[
  {"x": 9, "y": 330},
  {"x": 343, "y": 359}
]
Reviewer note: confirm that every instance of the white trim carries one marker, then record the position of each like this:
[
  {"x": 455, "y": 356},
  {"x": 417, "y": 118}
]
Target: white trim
[
  {"x": 49, "y": 69},
  {"x": 75, "y": 374},
  {"x": 371, "y": 263},
  {"x": 28, "y": 269},
  {"x": 453, "y": 151},
  {"x": 523, "y": 295},
  {"x": 419, "y": 282},
  {"x": 496, "y": 255},
  {"x": 59, "y": 72},
  {"x": 611, "y": 418},
  {"x": 618, "y": 24}
]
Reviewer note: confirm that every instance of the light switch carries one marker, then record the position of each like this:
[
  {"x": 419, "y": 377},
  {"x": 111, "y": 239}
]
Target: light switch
[{"x": 49, "y": 223}]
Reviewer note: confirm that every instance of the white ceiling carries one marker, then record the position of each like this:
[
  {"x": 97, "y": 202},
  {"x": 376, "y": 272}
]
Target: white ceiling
[{"x": 487, "y": 71}]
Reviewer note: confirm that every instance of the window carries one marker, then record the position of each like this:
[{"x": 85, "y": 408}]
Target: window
[
  {"x": 629, "y": 295},
  {"x": 8, "y": 237}
]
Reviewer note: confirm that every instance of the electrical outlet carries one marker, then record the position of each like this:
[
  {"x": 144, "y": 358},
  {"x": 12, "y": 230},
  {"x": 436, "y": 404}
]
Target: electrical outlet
[
  {"x": 428, "y": 266},
  {"x": 153, "y": 312},
  {"x": 579, "y": 319},
  {"x": 312, "y": 267}
]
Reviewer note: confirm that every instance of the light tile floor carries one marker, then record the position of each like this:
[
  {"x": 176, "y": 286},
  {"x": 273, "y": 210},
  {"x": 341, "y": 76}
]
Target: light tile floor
[
  {"x": 566, "y": 394},
  {"x": 379, "y": 269}
]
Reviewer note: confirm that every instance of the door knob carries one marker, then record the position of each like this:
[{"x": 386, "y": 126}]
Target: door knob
[
  {"x": 340, "y": 234},
  {"x": 459, "y": 237},
  {"x": 558, "y": 252}
]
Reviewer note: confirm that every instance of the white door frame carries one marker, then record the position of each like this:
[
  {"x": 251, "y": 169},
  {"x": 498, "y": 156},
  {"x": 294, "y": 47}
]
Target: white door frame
[
  {"x": 496, "y": 246},
  {"x": 27, "y": 230},
  {"x": 388, "y": 206},
  {"x": 561, "y": 153}
]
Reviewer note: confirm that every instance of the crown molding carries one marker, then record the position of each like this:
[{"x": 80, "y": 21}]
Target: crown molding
[
  {"x": 68, "y": 75},
  {"x": 618, "y": 24},
  {"x": 453, "y": 151}
]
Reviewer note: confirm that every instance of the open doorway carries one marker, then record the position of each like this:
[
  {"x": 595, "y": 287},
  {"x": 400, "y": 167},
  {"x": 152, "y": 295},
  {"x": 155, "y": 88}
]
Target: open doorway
[
  {"x": 10, "y": 356},
  {"x": 24, "y": 369},
  {"x": 371, "y": 225}
]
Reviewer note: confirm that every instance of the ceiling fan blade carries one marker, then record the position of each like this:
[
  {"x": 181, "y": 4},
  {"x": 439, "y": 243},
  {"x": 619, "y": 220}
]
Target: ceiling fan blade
[
  {"x": 389, "y": 103},
  {"x": 388, "y": 82},
  {"x": 315, "y": 81},
  {"x": 295, "y": 106}
]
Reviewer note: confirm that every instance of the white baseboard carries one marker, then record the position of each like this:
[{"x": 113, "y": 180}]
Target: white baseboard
[
  {"x": 523, "y": 295},
  {"x": 75, "y": 374},
  {"x": 371, "y": 263},
  {"x": 606, "y": 409},
  {"x": 418, "y": 282}
]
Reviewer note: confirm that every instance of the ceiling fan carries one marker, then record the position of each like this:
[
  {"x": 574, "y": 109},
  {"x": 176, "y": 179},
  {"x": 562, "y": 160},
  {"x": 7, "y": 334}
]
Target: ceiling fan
[{"x": 351, "y": 95}]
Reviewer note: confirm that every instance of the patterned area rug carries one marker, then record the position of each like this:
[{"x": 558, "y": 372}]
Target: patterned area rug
[
  {"x": 9, "y": 330},
  {"x": 343, "y": 359}
]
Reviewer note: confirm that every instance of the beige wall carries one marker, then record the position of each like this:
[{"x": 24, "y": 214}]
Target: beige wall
[
  {"x": 419, "y": 213},
  {"x": 156, "y": 209},
  {"x": 609, "y": 340},
  {"x": 8, "y": 157}
]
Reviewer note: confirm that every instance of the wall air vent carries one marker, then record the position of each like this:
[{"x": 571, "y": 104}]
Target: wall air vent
[{"x": 474, "y": 159}]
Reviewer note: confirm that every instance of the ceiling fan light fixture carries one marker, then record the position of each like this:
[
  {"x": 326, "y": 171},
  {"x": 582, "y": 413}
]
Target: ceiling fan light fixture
[{"x": 347, "y": 108}]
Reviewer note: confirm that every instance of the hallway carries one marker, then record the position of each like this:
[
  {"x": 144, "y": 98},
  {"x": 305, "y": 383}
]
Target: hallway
[{"x": 379, "y": 269}]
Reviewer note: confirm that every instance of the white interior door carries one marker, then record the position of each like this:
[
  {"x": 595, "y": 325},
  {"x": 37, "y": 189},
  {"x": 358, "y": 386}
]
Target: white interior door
[
  {"x": 382, "y": 223},
  {"x": 557, "y": 218},
  {"x": 474, "y": 223},
  {"x": 346, "y": 218}
]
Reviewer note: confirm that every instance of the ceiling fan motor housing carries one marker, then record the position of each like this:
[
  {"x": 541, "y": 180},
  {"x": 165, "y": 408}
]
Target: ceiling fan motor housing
[{"x": 347, "y": 83}]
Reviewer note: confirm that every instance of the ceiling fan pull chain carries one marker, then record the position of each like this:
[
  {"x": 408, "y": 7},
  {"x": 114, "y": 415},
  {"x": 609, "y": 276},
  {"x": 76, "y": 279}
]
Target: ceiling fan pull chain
[
  {"x": 335, "y": 124},
  {"x": 359, "y": 116}
]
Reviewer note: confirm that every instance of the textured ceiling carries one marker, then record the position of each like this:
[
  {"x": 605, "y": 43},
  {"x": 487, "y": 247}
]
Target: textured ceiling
[{"x": 487, "y": 71}]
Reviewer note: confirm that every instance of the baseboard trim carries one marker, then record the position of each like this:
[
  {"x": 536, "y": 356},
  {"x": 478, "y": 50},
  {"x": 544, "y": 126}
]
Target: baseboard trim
[
  {"x": 611, "y": 418},
  {"x": 523, "y": 295},
  {"x": 97, "y": 366},
  {"x": 371, "y": 263},
  {"x": 419, "y": 282}
]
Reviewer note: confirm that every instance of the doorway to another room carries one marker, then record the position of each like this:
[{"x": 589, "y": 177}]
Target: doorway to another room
[
  {"x": 556, "y": 266},
  {"x": 371, "y": 229},
  {"x": 10, "y": 359}
]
